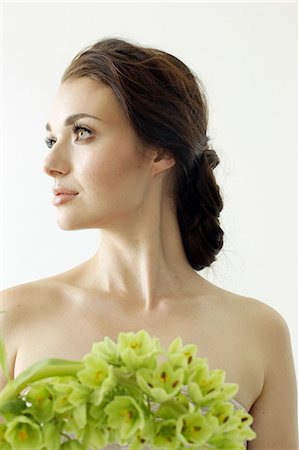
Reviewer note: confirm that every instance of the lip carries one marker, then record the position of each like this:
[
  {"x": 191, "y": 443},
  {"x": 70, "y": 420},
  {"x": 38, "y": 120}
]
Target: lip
[
  {"x": 60, "y": 199},
  {"x": 61, "y": 190}
]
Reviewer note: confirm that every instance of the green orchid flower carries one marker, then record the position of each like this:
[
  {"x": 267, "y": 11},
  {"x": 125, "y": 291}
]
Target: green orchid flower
[
  {"x": 41, "y": 397},
  {"x": 97, "y": 374},
  {"x": 180, "y": 355},
  {"x": 193, "y": 429},
  {"x": 61, "y": 402},
  {"x": 139, "y": 350},
  {"x": 225, "y": 415},
  {"x": 107, "y": 350},
  {"x": 24, "y": 434},
  {"x": 246, "y": 433},
  {"x": 206, "y": 387},
  {"x": 161, "y": 384},
  {"x": 125, "y": 415},
  {"x": 166, "y": 435}
]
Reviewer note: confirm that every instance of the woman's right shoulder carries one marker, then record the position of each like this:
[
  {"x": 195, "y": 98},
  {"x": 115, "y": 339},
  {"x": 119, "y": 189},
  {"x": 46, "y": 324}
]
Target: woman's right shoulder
[
  {"x": 17, "y": 300},
  {"x": 18, "y": 306}
]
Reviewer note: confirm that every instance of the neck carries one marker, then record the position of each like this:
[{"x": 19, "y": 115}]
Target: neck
[{"x": 141, "y": 260}]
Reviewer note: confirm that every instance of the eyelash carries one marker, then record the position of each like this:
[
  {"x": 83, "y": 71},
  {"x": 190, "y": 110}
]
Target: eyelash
[{"x": 75, "y": 129}]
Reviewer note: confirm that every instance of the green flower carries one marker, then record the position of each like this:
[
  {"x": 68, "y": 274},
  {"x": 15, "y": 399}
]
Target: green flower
[
  {"x": 193, "y": 428},
  {"x": 166, "y": 436},
  {"x": 97, "y": 374},
  {"x": 206, "y": 387},
  {"x": 226, "y": 416},
  {"x": 23, "y": 434},
  {"x": 41, "y": 397},
  {"x": 161, "y": 384},
  {"x": 246, "y": 433},
  {"x": 62, "y": 394},
  {"x": 179, "y": 355},
  {"x": 139, "y": 350},
  {"x": 107, "y": 350},
  {"x": 125, "y": 415}
]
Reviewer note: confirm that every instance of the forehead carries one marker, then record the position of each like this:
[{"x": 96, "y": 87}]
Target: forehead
[{"x": 88, "y": 96}]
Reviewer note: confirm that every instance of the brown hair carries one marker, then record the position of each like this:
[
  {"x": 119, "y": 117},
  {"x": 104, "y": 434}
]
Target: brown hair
[{"x": 166, "y": 105}]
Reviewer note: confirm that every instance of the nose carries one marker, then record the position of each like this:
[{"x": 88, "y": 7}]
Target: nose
[{"x": 55, "y": 163}]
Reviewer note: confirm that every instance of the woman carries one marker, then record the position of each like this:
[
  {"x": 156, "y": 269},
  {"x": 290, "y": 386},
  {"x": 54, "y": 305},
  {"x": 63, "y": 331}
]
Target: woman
[{"x": 129, "y": 154}]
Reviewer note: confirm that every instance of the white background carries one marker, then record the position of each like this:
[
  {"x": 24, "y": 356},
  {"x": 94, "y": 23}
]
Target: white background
[{"x": 246, "y": 55}]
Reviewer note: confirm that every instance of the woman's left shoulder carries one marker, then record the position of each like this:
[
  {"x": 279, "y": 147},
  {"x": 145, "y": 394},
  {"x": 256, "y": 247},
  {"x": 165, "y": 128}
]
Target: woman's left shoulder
[
  {"x": 257, "y": 310},
  {"x": 275, "y": 409}
]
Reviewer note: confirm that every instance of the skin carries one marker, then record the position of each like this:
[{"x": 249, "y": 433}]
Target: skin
[{"x": 140, "y": 268}]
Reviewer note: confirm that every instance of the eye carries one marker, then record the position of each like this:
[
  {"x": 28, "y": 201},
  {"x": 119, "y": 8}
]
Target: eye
[
  {"x": 49, "y": 142},
  {"x": 81, "y": 131}
]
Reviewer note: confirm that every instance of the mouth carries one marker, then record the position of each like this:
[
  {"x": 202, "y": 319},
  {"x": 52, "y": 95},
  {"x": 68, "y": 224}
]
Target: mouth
[
  {"x": 65, "y": 193},
  {"x": 60, "y": 199}
]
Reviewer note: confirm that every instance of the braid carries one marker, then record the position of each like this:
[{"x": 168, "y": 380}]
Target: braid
[{"x": 199, "y": 204}]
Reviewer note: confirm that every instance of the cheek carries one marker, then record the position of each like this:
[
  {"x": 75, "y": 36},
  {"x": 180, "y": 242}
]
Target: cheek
[{"x": 112, "y": 179}]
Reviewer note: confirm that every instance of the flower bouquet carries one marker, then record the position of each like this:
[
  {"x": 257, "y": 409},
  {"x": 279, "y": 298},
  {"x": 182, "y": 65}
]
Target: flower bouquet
[{"x": 120, "y": 393}]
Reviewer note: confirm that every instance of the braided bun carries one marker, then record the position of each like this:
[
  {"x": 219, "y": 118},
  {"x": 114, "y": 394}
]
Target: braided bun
[{"x": 199, "y": 204}]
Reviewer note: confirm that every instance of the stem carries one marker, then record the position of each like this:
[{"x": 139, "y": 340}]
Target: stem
[{"x": 38, "y": 371}]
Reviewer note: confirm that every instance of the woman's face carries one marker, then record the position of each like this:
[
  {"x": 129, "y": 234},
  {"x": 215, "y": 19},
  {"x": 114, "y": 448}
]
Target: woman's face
[{"x": 97, "y": 157}]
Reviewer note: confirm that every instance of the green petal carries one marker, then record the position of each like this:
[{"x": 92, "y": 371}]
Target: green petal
[
  {"x": 23, "y": 434},
  {"x": 51, "y": 436},
  {"x": 71, "y": 445},
  {"x": 3, "y": 358},
  {"x": 79, "y": 414},
  {"x": 95, "y": 437}
]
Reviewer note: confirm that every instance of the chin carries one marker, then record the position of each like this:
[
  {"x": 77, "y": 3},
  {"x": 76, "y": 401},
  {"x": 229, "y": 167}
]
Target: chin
[{"x": 68, "y": 225}]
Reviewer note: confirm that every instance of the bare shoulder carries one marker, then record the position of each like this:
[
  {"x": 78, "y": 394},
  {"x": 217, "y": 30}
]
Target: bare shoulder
[
  {"x": 275, "y": 410},
  {"x": 17, "y": 306},
  {"x": 11, "y": 299},
  {"x": 17, "y": 300},
  {"x": 260, "y": 323},
  {"x": 259, "y": 314}
]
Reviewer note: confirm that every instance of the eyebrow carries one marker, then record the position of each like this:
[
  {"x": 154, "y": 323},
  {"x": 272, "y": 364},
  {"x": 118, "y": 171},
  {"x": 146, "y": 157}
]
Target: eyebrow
[{"x": 72, "y": 119}]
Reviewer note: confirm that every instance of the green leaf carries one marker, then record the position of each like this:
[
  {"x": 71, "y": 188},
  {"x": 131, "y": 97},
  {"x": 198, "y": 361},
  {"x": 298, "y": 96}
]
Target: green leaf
[{"x": 3, "y": 358}]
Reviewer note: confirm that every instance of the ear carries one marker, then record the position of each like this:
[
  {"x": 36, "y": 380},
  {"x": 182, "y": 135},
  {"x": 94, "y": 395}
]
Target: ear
[{"x": 166, "y": 158}]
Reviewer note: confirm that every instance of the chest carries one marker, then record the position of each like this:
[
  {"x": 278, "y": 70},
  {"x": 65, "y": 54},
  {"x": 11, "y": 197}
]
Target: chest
[{"x": 69, "y": 330}]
